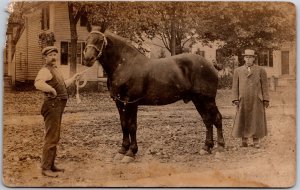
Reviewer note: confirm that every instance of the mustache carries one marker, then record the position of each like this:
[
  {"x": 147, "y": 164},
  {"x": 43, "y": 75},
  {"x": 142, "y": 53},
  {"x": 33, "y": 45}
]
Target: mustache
[{"x": 53, "y": 60}]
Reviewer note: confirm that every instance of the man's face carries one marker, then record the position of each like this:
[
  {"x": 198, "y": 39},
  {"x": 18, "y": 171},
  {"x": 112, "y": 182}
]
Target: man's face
[
  {"x": 249, "y": 60},
  {"x": 51, "y": 58}
]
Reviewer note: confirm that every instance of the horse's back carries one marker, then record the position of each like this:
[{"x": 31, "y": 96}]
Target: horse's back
[{"x": 199, "y": 74}]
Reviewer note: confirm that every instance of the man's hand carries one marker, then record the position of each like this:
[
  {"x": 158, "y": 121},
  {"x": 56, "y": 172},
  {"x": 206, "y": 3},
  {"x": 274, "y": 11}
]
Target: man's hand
[
  {"x": 72, "y": 79},
  {"x": 77, "y": 76},
  {"x": 266, "y": 103},
  {"x": 53, "y": 92},
  {"x": 236, "y": 102}
]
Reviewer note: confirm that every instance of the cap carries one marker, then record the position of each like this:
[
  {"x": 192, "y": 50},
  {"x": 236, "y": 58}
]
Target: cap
[{"x": 49, "y": 49}]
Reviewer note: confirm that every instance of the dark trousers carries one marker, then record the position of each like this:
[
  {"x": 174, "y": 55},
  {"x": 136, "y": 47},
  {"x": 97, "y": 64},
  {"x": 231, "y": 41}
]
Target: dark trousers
[{"x": 52, "y": 111}]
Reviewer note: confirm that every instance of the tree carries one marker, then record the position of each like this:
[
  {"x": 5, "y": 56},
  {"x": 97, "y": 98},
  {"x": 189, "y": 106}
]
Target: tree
[
  {"x": 170, "y": 21},
  {"x": 128, "y": 19},
  {"x": 75, "y": 12},
  {"x": 16, "y": 20},
  {"x": 256, "y": 25},
  {"x": 175, "y": 26}
]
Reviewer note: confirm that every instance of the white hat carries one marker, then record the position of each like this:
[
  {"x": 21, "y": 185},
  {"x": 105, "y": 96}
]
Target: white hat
[{"x": 249, "y": 52}]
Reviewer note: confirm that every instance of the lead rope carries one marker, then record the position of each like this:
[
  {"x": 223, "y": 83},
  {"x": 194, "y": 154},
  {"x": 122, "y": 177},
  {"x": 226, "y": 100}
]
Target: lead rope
[
  {"x": 78, "y": 85},
  {"x": 78, "y": 100}
]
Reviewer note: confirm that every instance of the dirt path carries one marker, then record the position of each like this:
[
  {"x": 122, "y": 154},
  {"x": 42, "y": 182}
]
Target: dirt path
[{"x": 169, "y": 138}]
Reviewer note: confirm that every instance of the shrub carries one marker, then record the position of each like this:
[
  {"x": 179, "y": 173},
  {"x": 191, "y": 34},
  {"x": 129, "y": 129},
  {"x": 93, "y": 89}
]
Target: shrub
[{"x": 225, "y": 82}]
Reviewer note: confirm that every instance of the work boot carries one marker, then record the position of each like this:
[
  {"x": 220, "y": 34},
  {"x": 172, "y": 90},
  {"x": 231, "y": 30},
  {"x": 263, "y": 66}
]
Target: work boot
[
  {"x": 56, "y": 169},
  {"x": 49, "y": 173},
  {"x": 256, "y": 142},
  {"x": 244, "y": 142}
]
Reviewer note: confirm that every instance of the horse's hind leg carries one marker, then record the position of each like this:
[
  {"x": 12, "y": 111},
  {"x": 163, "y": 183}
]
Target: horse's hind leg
[
  {"x": 210, "y": 114},
  {"x": 218, "y": 124}
]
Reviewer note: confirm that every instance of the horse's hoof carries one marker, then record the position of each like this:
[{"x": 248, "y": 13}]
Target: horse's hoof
[
  {"x": 122, "y": 150},
  {"x": 203, "y": 152},
  {"x": 127, "y": 159},
  {"x": 207, "y": 149},
  {"x": 220, "y": 149},
  {"x": 129, "y": 153},
  {"x": 118, "y": 157},
  {"x": 219, "y": 155}
]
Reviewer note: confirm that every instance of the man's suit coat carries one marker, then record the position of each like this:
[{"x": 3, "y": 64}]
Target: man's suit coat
[{"x": 251, "y": 89}]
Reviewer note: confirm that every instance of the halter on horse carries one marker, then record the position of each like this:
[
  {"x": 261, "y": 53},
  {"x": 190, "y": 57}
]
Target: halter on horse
[
  {"x": 95, "y": 47},
  {"x": 134, "y": 79}
]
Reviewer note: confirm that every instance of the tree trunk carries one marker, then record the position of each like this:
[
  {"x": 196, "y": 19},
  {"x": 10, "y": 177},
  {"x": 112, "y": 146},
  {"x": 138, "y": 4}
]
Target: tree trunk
[
  {"x": 73, "y": 61},
  {"x": 73, "y": 40},
  {"x": 173, "y": 35}
]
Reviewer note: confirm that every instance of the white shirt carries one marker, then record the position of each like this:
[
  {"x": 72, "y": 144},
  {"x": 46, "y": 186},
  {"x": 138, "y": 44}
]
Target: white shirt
[
  {"x": 40, "y": 81},
  {"x": 45, "y": 75}
]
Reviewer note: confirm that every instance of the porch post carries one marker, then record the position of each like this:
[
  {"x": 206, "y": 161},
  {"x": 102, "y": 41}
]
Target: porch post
[{"x": 11, "y": 71}]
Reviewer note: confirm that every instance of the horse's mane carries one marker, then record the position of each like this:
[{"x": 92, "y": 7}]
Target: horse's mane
[{"x": 120, "y": 41}]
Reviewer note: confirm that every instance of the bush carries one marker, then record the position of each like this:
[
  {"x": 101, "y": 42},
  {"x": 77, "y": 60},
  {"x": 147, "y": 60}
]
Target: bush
[{"x": 225, "y": 82}]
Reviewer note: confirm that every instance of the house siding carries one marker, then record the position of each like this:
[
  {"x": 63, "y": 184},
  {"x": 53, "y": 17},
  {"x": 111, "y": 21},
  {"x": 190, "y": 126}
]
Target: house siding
[
  {"x": 28, "y": 59},
  {"x": 35, "y": 59},
  {"x": 18, "y": 59},
  {"x": 276, "y": 70},
  {"x": 62, "y": 33}
]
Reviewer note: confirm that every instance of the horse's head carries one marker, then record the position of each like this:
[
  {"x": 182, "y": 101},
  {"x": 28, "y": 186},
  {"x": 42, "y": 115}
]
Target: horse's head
[{"x": 95, "y": 44}]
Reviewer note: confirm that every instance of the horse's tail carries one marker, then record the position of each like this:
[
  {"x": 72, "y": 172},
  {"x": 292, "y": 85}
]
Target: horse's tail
[{"x": 218, "y": 66}]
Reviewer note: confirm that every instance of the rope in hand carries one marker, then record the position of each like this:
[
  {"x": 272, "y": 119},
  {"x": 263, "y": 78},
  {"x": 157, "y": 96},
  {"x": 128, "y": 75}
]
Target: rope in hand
[{"x": 78, "y": 85}]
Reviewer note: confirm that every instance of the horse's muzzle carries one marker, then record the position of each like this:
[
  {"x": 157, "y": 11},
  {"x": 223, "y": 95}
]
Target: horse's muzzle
[{"x": 89, "y": 62}]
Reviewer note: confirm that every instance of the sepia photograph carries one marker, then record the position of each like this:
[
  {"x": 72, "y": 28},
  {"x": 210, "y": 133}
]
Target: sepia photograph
[{"x": 149, "y": 94}]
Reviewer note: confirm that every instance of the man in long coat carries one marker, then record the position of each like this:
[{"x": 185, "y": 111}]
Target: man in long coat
[{"x": 250, "y": 95}]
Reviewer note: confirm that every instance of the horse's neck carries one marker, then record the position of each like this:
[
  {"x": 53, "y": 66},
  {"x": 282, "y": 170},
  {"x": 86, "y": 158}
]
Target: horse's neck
[
  {"x": 110, "y": 59},
  {"x": 116, "y": 54}
]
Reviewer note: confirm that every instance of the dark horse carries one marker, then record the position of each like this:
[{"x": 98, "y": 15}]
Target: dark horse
[{"x": 134, "y": 79}]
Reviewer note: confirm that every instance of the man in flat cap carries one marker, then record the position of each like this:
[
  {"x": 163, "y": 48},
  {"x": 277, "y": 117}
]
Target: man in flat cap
[
  {"x": 251, "y": 96},
  {"x": 50, "y": 81}
]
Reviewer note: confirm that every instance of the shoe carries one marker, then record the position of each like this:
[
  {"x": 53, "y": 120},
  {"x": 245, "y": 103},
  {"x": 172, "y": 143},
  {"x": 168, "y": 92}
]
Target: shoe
[
  {"x": 256, "y": 145},
  {"x": 49, "y": 173},
  {"x": 244, "y": 144},
  {"x": 56, "y": 169}
]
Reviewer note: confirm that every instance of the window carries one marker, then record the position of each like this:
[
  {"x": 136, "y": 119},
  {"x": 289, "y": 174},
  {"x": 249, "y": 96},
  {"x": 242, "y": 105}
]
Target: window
[
  {"x": 79, "y": 56},
  {"x": 265, "y": 58},
  {"x": 199, "y": 52},
  {"x": 66, "y": 52},
  {"x": 45, "y": 19}
]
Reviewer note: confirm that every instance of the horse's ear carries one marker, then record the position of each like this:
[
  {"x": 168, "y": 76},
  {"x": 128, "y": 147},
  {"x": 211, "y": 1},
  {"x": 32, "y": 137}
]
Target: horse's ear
[{"x": 96, "y": 28}]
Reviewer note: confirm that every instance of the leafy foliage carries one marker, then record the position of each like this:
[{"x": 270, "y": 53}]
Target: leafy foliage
[
  {"x": 46, "y": 39},
  {"x": 179, "y": 24},
  {"x": 256, "y": 25}
]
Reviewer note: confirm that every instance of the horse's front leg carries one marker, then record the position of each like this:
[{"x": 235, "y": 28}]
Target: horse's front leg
[
  {"x": 126, "y": 141},
  {"x": 131, "y": 122}
]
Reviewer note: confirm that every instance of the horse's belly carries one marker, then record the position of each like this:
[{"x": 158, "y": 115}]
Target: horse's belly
[{"x": 163, "y": 95}]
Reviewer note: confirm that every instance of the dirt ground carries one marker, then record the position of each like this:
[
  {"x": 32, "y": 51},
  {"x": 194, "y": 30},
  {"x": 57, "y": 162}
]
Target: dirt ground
[{"x": 169, "y": 137}]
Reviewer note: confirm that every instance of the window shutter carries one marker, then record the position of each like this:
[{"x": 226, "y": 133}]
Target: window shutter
[
  {"x": 270, "y": 58},
  {"x": 42, "y": 20},
  {"x": 47, "y": 17}
]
